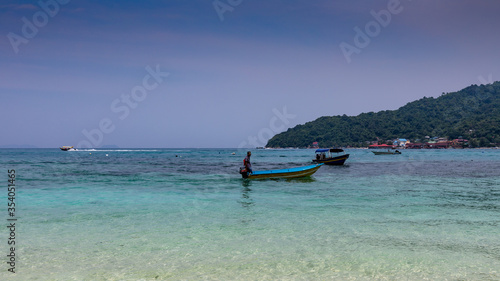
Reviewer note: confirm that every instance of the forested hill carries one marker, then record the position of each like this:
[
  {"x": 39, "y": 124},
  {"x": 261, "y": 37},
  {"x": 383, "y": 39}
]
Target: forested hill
[{"x": 472, "y": 113}]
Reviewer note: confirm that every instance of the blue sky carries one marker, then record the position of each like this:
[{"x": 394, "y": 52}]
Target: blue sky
[{"x": 228, "y": 77}]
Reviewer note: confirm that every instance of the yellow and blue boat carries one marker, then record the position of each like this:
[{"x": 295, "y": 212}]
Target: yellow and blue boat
[{"x": 297, "y": 172}]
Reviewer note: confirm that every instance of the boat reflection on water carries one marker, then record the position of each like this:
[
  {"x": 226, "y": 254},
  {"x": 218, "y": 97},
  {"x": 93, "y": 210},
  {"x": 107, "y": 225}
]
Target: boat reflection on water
[{"x": 246, "y": 201}]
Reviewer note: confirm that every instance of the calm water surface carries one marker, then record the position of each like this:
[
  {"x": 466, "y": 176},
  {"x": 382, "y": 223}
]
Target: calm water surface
[{"x": 166, "y": 214}]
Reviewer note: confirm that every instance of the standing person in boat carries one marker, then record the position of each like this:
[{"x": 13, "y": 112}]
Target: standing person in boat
[{"x": 246, "y": 162}]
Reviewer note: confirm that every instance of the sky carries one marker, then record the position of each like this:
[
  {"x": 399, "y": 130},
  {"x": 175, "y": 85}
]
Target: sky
[{"x": 227, "y": 73}]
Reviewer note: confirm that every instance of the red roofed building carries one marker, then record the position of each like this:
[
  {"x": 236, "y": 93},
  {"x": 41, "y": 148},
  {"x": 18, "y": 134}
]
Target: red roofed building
[{"x": 414, "y": 145}]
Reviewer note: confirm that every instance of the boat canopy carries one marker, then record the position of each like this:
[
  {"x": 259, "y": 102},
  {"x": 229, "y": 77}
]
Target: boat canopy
[
  {"x": 329, "y": 149},
  {"x": 381, "y": 146}
]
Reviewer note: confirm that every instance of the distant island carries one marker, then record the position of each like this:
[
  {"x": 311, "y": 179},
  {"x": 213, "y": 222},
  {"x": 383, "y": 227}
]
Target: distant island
[
  {"x": 18, "y": 146},
  {"x": 472, "y": 114}
]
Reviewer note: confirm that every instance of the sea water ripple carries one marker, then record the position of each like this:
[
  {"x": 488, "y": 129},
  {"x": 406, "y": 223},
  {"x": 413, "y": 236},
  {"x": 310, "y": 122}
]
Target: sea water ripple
[{"x": 178, "y": 214}]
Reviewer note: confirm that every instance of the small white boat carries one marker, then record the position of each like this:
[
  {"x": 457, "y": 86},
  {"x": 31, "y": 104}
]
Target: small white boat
[{"x": 67, "y": 148}]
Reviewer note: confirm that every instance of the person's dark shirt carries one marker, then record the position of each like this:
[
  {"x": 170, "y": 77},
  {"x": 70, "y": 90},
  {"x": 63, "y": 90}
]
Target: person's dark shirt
[{"x": 247, "y": 163}]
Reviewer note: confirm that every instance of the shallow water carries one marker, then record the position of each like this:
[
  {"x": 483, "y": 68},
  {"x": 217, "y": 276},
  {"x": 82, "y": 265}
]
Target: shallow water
[{"x": 185, "y": 214}]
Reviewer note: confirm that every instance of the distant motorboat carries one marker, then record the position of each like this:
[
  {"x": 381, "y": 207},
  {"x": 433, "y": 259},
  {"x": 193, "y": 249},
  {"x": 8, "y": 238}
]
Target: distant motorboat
[
  {"x": 67, "y": 148},
  {"x": 388, "y": 152},
  {"x": 324, "y": 155}
]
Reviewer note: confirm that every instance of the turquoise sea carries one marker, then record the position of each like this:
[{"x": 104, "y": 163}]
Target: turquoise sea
[{"x": 185, "y": 214}]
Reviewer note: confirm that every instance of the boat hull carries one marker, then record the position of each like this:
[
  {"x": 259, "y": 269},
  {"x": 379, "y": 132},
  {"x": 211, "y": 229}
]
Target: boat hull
[
  {"x": 385, "y": 152},
  {"x": 339, "y": 160},
  {"x": 285, "y": 173}
]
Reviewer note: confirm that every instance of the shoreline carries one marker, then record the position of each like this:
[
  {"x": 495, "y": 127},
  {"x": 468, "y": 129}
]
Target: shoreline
[{"x": 402, "y": 148}]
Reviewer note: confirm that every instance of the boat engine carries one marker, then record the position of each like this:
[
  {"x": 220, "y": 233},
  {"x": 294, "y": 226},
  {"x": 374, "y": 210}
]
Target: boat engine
[{"x": 244, "y": 172}]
